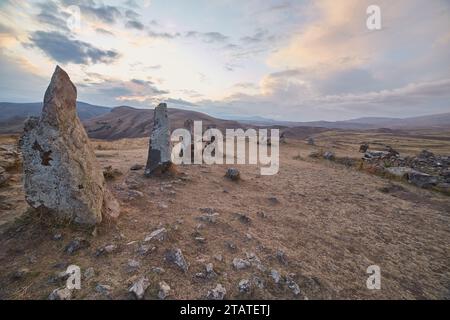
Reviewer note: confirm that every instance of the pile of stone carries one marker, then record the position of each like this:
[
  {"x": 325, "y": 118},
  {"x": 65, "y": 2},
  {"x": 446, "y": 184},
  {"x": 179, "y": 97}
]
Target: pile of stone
[{"x": 426, "y": 170}]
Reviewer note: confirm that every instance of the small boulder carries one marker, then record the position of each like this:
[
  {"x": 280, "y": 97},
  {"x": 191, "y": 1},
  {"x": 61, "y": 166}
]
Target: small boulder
[
  {"x": 218, "y": 293},
  {"x": 60, "y": 294},
  {"x": 233, "y": 174},
  {"x": 175, "y": 256},
  {"x": 244, "y": 286},
  {"x": 139, "y": 287},
  {"x": 76, "y": 245},
  {"x": 164, "y": 290},
  {"x": 275, "y": 276},
  {"x": 281, "y": 256},
  {"x": 329, "y": 155},
  {"x": 422, "y": 180},
  {"x": 240, "y": 264},
  {"x": 103, "y": 289},
  {"x": 158, "y": 235}
]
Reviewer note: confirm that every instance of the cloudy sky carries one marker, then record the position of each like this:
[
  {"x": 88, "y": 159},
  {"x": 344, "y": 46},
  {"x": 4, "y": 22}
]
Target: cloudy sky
[{"x": 288, "y": 60}]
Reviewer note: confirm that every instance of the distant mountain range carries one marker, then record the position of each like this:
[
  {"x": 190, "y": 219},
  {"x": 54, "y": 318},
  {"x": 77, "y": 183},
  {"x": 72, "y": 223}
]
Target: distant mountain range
[
  {"x": 127, "y": 122},
  {"x": 436, "y": 121},
  {"x": 10, "y": 110}
]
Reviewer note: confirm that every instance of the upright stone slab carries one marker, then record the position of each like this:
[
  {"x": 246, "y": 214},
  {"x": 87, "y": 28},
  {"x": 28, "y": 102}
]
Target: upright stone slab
[
  {"x": 61, "y": 173},
  {"x": 160, "y": 149}
]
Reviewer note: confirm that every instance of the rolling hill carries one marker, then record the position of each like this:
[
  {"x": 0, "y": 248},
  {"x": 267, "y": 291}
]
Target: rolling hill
[{"x": 128, "y": 122}]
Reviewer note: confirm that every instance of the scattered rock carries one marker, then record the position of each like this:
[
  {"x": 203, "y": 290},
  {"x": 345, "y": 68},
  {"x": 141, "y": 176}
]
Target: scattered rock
[
  {"x": 89, "y": 273},
  {"x": 292, "y": 285},
  {"x": 274, "y": 200},
  {"x": 164, "y": 290},
  {"x": 76, "y": 245},
  {"x": 175, "y": 256},
  {"x": 233, "y": 174},
  {"x": 209, "y": 217},
  {"x": 210, "y": 273},
  {"x": 231, "y": 246},
  {"x": 242, "y": 217},
  {"x": 311, "y": 141},
  {"x": 139, "y": 287},
  {"x": 20, "y": 274},
  {"x": 363, "y": 147},
  {"x": 158, "y": 235},
  {"x": 399, "y": 172},
  {"x": 111, "y": 174},
  {"x": 61, "y": 173},
  {"x": 133, "y": 265},
  {"x": 258, "y": 282},
  {"x": 144, "y": 249},
  {"x": 105, "y": 250},
  {"x": 244, "y": 286},
  {"x": 329, "y": 155},
  {"x": 218, "y": 293},
  {"x": 159, "y": 153},
  {"x": 218, "y": 257},
  {"x": 57, "y": 236},
  {"x": 281, "y": 256},
  {"x": 136, "y": 167},
  {"x": 60, "y": 294},
  {"x": 255, "y": 261},
  {"x": 422, "y": 180},
  {"x": 240, "y": 264},
  {"x": 134, "y": 194},
  {"x": 261, "y": 214},
  {"x": 158, "y": 270},
  {"x": 162, "y": 206},
  {"x": 275, "y": 276},
  {"x": 103, "y": 289},
  {"x": 200, "y": 239}
]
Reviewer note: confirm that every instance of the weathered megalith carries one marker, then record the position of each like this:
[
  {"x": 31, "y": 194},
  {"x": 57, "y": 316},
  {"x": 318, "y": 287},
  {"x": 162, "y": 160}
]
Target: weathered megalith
[
  {"x": 159, "y": 153},
  {"x": 61, "y": 173}
]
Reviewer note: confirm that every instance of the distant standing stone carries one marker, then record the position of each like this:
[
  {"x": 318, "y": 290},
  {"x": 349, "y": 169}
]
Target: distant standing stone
[{"x": 160, "y": 150}]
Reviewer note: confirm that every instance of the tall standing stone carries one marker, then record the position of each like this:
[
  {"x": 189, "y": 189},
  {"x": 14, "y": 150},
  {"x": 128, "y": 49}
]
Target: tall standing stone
[
  {"x": 160, "y": 149},
  {"x": 61, "y": 173}
]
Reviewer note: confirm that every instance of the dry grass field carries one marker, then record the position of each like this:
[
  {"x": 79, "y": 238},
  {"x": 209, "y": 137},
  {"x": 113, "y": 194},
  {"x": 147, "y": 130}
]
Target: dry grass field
[{"x": 331, "y": 222}]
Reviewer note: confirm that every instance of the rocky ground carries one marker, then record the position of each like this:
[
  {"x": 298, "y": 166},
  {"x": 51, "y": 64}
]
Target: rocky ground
[{"x": 310, "y": 231}]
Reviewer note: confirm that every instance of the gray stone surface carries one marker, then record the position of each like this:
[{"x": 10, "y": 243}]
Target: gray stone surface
[
  {"x": 159, "y": 153},
  {"x": 61, "y": 173},
  {"x": 175, "y": 256},
  {"x": 218, "y": 293},
  {"x": 139, "y": 287}
]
